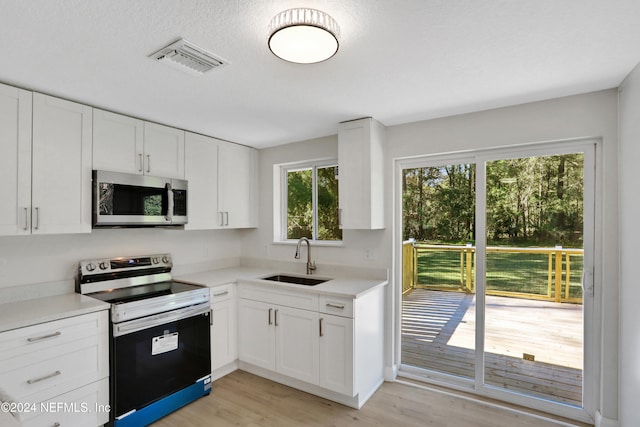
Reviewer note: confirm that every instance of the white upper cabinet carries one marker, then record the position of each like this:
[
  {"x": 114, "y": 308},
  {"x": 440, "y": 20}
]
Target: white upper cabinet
[
  {"x": 201, "y": 171},
  {"x": 237, "y": 185},
  {"x": 15, "y": 161},
  {"x": 163, "y": 151},
  {"x": 61, "y": 166},
  {"x": 361, "y": 174},
  {"x": 222, "y": 183},
  {"x": 118, "y": 142},
  {"x": 126, "y": 144}
]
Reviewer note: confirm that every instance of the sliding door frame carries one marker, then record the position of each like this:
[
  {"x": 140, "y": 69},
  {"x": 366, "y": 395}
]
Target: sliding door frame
[{"x": 591, "y": 305}]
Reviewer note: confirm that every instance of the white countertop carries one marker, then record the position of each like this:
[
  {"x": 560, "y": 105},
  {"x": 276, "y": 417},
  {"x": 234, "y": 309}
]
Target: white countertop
[
  {"x": 40, "y": 310},
  {"x": 351, "y": 287}
]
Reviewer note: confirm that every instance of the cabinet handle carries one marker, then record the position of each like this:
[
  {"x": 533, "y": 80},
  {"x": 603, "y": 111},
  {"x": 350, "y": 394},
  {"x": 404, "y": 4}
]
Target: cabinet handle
[
  {"x": 275, "y": 317},
  {"x": 140, "y": 162},
  {"x": 148, "y": 163},
  {"x": 270, "y": 310},
  {"x": 37, "y": 218},
  {"x": 321, "y": 334},
  {"x": 46, "y": 377},
  {"x": 221, "y": 219},
  {"x": 340, "y": 307},
  {"x": 44, "y": 337},
  {"x": 219, "y": 294},
  {"x": 226, "y": 222},
  {"x": 26, "y": 219}
]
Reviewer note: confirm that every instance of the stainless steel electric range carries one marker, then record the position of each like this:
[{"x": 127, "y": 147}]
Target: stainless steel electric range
[{"x": 160, "y": 351}]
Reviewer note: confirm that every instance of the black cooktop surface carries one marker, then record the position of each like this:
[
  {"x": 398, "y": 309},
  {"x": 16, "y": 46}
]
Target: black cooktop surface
[{"x": 136, "y": 293}]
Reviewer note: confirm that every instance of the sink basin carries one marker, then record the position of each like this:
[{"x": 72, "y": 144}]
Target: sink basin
[{"x": 306, "y": 281}]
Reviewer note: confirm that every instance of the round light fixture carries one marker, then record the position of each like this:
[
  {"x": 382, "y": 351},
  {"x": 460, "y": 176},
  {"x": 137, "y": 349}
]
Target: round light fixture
[{"x": 303, "y": 36}]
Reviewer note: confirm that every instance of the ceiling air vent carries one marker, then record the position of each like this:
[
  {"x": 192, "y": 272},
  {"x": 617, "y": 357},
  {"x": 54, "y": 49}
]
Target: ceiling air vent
[{"x": 186, "y": 56}]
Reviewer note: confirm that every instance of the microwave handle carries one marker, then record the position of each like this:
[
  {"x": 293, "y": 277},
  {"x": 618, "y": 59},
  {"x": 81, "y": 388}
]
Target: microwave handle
[{"x": 169, "y": 216}]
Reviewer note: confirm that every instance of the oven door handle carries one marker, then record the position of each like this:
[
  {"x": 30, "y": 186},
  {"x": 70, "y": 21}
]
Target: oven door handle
[{"x": 136, "y": 325}]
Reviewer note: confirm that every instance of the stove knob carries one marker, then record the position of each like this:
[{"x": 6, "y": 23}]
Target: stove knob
[
  {"x": 90, "y": 267},
  {"x": 155, "y": 260},
  {"x": 165, "y": 259},
  {"x": 103, "y": 265}
]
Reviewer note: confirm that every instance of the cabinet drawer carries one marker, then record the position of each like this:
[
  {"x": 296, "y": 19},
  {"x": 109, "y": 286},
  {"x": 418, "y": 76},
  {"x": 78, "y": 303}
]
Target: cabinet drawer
[
  {"x": 40, "y": 376},
  {"x": 59, "y": 333},
  {"x": 223, "y": 293},
  {"x": 285, "y": 297},
  {"x": 83, "y": 407},
  {"x": 340, "y": 306}
]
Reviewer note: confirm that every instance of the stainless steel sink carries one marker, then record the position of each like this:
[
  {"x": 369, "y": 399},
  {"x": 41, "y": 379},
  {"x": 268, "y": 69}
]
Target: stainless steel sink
[{"x": 297, "y": 280}]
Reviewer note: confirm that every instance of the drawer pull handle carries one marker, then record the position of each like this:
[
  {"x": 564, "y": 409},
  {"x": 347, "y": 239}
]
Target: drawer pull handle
[
  {"x": 219, "y": 294},
  {"x": 44, "y": 337},
  {"x": 341, "y": 307},
  {"x": 46, "y": 377}
]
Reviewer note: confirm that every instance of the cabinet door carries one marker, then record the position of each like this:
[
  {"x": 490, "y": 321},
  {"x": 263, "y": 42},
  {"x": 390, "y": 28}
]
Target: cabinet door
[
  {"x": 256, "y": 335},
  {"x": 15, "y": 161},
  {"x": 336, "y": 354},
  {"x": 361, "y": 169},
  {"x": 223, "y": 334},
  {"x": 117, "y": 142},
  {"x": 61, "y": 174},
  {"x": 237, "y": 174},
  {"x": 297, "y": 343},
  {"x": 201, "y": 170},
  {"x": 164, "y": 151}
]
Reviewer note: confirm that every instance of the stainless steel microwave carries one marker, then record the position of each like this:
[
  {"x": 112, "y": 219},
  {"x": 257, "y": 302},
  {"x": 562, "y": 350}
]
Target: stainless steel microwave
[{"x": 129, "y": 200}]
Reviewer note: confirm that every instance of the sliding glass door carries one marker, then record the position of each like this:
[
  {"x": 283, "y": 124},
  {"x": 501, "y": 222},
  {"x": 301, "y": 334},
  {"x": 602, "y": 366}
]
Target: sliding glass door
[{"x": 497, "y": 254}]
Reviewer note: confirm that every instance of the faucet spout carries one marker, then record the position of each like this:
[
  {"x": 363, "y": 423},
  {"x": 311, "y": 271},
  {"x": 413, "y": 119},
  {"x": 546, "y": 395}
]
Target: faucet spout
[{"x": 311, "y": 265}]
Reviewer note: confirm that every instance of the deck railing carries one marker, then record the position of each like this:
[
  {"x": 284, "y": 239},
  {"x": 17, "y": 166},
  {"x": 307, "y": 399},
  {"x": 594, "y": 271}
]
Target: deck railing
[{"x": 534, "y": 273}]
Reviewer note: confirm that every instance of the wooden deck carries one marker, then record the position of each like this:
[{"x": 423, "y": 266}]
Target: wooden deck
[{"x": 438, "y": 333}]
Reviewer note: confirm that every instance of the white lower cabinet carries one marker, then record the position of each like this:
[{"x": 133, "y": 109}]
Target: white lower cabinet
[
  {"x": 60, "y": 370},
  {"x": 280, "y": 339},
  {"x": 224, "y": 330},
  {"x": 336, "y": 354},
  {"x": 329, "y": 346},
  {"x": 297, "y": 343}
]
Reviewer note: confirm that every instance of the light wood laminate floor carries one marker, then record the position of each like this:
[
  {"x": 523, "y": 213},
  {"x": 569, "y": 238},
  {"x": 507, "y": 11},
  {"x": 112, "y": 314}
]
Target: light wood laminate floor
[{"x": 243, "y": 399}]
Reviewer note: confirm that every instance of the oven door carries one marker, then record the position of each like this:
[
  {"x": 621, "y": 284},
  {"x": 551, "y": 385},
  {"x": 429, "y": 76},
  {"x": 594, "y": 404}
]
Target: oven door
[
  {"x": 127, "y": 199},
  {"x": 151, "y": 361}
]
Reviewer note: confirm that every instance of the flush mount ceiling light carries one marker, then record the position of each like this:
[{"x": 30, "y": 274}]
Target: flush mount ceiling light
[{"x": 303, "y": 36}]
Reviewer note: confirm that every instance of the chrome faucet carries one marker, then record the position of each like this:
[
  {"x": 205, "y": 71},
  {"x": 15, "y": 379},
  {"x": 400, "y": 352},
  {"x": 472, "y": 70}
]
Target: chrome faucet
[{"x": 311, "y": 265}]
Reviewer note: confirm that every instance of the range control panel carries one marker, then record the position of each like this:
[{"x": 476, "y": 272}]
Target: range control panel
[{"x": 123, "y": 264}]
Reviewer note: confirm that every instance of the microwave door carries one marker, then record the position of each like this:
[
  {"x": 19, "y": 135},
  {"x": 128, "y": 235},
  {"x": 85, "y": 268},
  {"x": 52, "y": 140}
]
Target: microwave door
[{"x": 123, "y": 200}]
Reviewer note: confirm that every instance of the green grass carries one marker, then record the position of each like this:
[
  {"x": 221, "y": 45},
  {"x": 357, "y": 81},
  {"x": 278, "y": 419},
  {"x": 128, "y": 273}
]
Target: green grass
[{"x": 506, "y": 272}]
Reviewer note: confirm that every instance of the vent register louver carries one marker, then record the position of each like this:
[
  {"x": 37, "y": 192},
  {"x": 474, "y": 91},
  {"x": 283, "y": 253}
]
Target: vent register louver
[{"x": 184, "y": 55}]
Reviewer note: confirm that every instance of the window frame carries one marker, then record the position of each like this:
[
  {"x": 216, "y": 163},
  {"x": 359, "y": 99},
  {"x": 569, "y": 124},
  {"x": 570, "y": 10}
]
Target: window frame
[{"x": 314, "y": 165}]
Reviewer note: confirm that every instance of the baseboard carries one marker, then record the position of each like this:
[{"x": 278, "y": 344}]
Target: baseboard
[
  {"x": 390, "y": 373},
  {"x": 225, "y": 370},
  {"x": 355, "y": 402},
  {"x": 605, "y": 422}
]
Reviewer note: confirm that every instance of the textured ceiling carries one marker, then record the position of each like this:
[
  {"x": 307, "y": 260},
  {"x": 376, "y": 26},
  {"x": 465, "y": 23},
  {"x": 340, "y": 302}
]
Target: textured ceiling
[{"x": 399, "y": 61}]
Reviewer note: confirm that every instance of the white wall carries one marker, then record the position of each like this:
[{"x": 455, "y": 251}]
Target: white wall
[
  {"x": 259, "y": 243},
  {"x": 36, "y": 259},
  {"x": 589, "y": 115},
  {"x": 629, "y": 238}
]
